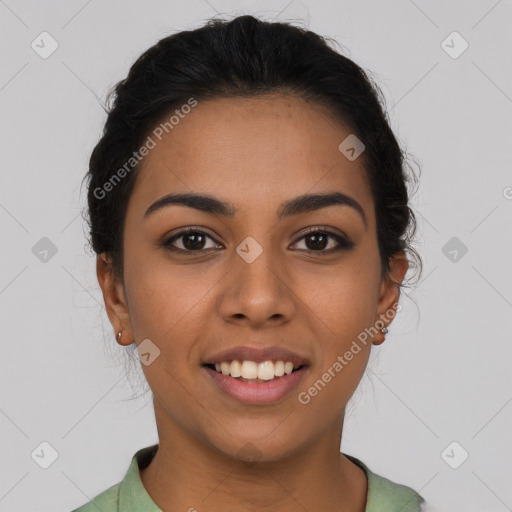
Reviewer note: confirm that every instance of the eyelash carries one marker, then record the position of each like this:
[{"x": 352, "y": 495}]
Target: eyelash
[{"x": 343, "y": 244}]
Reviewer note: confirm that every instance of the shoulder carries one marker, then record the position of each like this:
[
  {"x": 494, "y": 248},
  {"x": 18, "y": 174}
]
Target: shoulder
[
  {"x": 384, "y": 495},
  {"x": 107, "y": 501},
  {"x": 387, "y": 495},
  {"x": 129, "y": 494}
]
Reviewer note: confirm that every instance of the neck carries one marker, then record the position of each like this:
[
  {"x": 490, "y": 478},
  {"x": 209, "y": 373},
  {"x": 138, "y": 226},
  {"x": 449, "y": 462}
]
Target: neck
[{"x": 187, "y": 473}]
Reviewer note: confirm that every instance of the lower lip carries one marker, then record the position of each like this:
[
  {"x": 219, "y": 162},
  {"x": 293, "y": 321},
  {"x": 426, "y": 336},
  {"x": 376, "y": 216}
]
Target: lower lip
[{"x": 257, "y": 392}]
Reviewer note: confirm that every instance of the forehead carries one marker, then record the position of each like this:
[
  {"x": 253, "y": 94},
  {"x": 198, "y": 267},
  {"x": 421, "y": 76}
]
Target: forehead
[{"x": 258, "y": 149}]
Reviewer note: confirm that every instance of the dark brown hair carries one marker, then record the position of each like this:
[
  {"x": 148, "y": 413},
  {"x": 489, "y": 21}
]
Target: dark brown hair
[{"x": 246, "y": 57}]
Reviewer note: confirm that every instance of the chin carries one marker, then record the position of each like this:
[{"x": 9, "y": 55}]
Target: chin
[{"x": 258, "y": 449}]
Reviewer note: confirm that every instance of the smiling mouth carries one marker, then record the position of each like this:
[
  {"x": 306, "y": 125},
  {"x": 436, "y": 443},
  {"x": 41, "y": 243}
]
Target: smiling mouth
[
  {"x": 254, "y": 383},
  {"x": 248, "y": 371}
]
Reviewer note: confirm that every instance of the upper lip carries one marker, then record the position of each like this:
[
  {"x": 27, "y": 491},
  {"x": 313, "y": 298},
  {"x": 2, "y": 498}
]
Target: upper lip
[{"x": 257, "y": 354}]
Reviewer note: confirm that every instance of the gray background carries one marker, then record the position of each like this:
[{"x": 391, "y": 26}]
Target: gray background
[{"x": 443, "y": 374}]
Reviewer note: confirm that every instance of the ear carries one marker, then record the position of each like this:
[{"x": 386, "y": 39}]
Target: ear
[
  {"x": 115, "y": 300},
  {"x": 390, "y": 292}
]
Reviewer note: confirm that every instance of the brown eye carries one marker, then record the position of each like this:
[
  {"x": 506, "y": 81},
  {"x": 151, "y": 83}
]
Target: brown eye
[
  {"x": 191, "y": 240},
  {"x": 318, "y": 241}
]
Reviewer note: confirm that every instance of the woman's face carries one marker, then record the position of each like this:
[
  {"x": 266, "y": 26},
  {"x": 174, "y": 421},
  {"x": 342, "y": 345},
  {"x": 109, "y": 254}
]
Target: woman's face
[{"x": 253, "y": 278}]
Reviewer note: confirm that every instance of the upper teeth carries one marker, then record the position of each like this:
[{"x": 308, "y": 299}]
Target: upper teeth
[{"x": 266, "y": 370}]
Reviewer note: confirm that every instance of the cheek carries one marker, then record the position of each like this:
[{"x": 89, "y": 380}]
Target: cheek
[
  {"x": 341, "y": 319},
  {"x": 163, "y": 301},
  {"x": 168, "y": 307},
  {"x": 159, "y": 293},
  {"x": 341, "y": 306},
  {"x": 345, "y": 298}
]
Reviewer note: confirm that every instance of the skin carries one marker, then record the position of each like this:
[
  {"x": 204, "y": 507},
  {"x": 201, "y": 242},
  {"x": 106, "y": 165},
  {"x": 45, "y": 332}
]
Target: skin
[{"x": 254, "y": 153}]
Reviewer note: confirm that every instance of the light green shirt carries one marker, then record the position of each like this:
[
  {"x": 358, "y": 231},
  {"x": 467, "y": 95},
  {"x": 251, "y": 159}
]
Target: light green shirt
[{"x": 129, "y": 495}]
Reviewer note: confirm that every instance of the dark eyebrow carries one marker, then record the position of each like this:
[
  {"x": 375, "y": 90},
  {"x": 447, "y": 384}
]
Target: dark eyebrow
[
  {"x": 295, "y": 206},
  {"x": 310, "y": 202}
]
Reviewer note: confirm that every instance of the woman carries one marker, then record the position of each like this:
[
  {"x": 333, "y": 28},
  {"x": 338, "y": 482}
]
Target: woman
[{"x": 248, "y": 206}]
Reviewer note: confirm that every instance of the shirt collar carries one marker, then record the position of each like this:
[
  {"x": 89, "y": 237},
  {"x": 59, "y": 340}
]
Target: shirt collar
[
  {"x": 385, "y": 495},
  {"x": 133, "y": 496}
]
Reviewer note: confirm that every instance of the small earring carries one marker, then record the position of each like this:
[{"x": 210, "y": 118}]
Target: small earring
[
  {"x": 384, "y": 330},
  {"x": 119, "y": 335}
]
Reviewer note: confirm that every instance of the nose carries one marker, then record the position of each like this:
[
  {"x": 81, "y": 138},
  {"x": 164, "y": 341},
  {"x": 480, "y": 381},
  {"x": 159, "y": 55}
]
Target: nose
[{"x": 257, "y": 292}]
